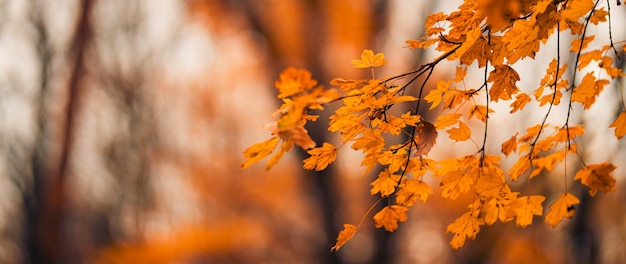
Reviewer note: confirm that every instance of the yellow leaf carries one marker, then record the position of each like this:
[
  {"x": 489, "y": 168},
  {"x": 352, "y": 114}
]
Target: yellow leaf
[
  {"x": 510, "y": 145},
  {"x": 563, "y": 207},
  {"x": 344, "y": 236},
  {"x": 389, "y": 217},
  {"x": 368, "y": 59},
  {"x": 461, "y": 133},
  {"x": 620, "y": 125},
  {"x": 526, "y": 207},
  {"x": 320, "y": 157},
  {"x": 259, "y": 151},
  {"x": 466, "y": 226},
  {"x": 597, "y": 176}
]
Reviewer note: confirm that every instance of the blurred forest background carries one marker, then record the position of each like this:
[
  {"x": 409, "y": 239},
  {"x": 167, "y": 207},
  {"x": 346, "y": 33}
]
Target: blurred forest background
[{"x": 122, "y": 125}]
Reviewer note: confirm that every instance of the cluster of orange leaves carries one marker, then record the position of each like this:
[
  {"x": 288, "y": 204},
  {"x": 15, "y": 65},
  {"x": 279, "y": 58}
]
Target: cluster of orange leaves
[{"x": 495, "y": 34}]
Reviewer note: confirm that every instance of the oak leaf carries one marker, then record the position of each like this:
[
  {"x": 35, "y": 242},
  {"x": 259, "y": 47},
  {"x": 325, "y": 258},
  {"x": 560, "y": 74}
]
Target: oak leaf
[{"x": 389, "y": 217}]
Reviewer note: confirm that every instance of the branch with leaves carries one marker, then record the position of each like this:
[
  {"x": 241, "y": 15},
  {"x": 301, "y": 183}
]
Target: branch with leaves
[{"x": 490, "y": 35}]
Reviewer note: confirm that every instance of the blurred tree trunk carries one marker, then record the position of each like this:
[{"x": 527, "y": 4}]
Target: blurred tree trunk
[{"x": 48, "y": 242}]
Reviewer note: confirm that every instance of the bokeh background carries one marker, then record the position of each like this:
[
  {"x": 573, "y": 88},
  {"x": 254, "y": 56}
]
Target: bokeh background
[{"x": 122, "y": 125}]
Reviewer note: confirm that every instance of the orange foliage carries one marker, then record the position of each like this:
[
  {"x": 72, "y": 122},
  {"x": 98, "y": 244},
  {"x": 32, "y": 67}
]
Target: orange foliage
[{"x": 496, "y": 35}]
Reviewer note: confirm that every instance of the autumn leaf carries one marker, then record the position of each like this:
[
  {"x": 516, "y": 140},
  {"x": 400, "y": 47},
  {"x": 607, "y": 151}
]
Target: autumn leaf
[
  {"x": 368, "y": 59},
  {"x": 598, "y": 16},
  {"x": 435, "y": 96},
  {"x": 504, "y": 78},
  {"x": 526, "y": 207},
  {"x": 521, "y": 166},
  {"x": 455, "y": 183},
  {"x": 344, "y": 236},
  {"x": 510, "y": 145},
  {"x": 480, "y": 112},
  {"x": 563, "y": 207},
  {"x": 597, "y": 176},
  {"x": 466, "y": 226},
  {"x": 385, "y": 183},
  {"x": 389, "y": 217},
  {"x": 320, "y": 157},
  {"x": 521, "y": 99},
  {"x": 579, "y": 44},
  {"x": 259, "y": 151},
  {"x": 411, "y": 190},
  {"x": 425, "y": 138},
  {"x": 461, "y": 133},
  {"x": 447, "y": 120},
  {"x": 292, "y": 81},
  {"x": 620, "y": 125}
]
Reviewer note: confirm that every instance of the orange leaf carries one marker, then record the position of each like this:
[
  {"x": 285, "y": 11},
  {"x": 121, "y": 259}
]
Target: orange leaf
[
  {"x": 426, "y": 138},
  {"x": 292, "y": 81},
  {"x": 368, "y": 59},
  {"x": 389, "y": 217},
  {"x": 576, "y": 43},
  {"x": 480, "y": 112},
  {"x": 444, "y": 121},
  {"x": 411, "y": 191},
  {"x": 526, "y": 207},
  {"x": 435, "y": 96},
  {"x": 563, "y": 207},
  {"x": 455, "y": 183},
  {"x": 504, "y": 79},
  {"x": 620, "y": 125},
  {"x": 461, "y": 133},
  {"x": 510, "y": 145},
  {"x": 521, "y": 166},
  {"x": 344, "y": 236},
  {"x": 597, "y": 176},
  {"x": 385, "y": 184},
  {"x": 466, "y": 226},
  {"x": 521, "y": 100},
  {"x": 320, "y": 157},
  {"x": 259, "y": 151}
]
